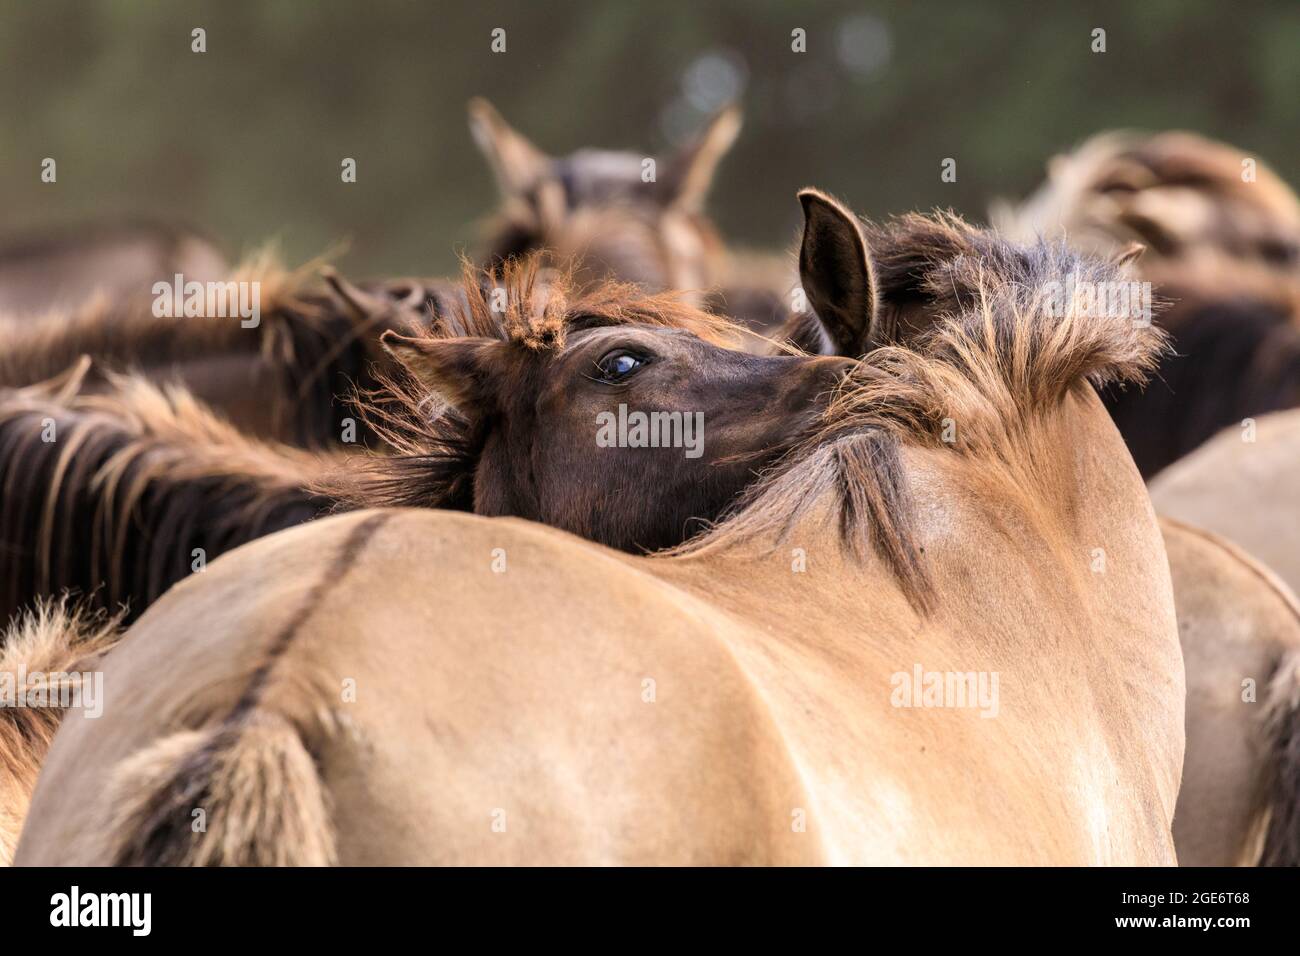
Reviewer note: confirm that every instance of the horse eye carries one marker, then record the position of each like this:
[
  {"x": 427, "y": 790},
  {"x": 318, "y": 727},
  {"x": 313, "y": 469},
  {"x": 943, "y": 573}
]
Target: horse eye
[{"x": 617, "y": 366}]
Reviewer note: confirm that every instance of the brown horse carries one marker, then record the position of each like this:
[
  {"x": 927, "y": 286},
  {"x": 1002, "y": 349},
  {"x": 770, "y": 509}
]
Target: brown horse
[
  {"x": 748, "y": 697},
  {"x": 604, "y": 210},
  {"x": 1222, "y": 242},
  {"x": 117, "y": 485},
  {"x": 1214, "y": 587},
  {"x": 52, "y": 272},
  {"x": 1236, "y": 620},
  {"x": 139, "y": 477},
  {"x": 285, "y": 376},
  {"x": 116, "y": 495}
]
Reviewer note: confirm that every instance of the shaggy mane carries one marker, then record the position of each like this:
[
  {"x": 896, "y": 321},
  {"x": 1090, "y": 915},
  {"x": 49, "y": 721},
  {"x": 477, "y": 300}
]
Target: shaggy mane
[
  {"x": 313, "y": 339},
  {"x": 137, "y": 478},
  {"x": 53, "y": 637},
  {"x": 993, "y": 359},
  {"x": 129, "y": 332}
]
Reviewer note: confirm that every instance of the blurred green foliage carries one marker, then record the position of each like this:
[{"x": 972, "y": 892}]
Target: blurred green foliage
[{"x": 246, "y": 139}]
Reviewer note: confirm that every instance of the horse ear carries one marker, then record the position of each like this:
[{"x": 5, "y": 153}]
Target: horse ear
[
  {"x": 516, "y": 162},
  {"x": 836, "y": 273},
  {"x": 688, "y": 174},
  {"x": 464, "y": 372}
]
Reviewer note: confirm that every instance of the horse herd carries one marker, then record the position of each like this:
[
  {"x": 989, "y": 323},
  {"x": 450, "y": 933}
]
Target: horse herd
[{"x": 942, "y": 583}]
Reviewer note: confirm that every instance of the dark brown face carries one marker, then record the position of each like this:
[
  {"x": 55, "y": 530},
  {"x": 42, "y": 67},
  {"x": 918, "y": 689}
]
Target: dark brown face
[
  {"x": 643, "y": 432},
  {"x": 631, "y": 435}
]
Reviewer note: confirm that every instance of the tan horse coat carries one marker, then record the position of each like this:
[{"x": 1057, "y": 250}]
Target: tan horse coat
[
  {"x": 588, "y": 706},
  {"x": 1246, "y": 492},
  {"x": 1240, "y": 630},
  {"x": 1235, "y": 618}
]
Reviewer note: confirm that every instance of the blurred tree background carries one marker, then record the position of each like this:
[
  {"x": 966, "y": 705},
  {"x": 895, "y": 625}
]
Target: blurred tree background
[{"x": 246, "y": 140}]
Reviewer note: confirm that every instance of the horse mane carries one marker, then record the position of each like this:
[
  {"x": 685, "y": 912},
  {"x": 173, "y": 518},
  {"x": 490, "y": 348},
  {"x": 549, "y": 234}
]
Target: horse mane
[
  {"x": 122, "y": 331},
  {"x": 135, "y": 479},
  {"x": 54, "y": 637},
  {"x": 1225, "y": 253},
  {"x": 994, "y": 360},
  {"x": 315, "y": 336}
]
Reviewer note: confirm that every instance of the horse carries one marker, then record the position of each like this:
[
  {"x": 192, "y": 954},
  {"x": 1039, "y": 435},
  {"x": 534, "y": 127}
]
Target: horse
[
  {"x": 1220, "y": 487},
  {"x": 46, "y": 274},
  {"x": 284, "y": 375},
  {"x": 428, "y": 685},
  {"x": 116, "y": 494},
  {"x": 1235, "y": 616},
  {"x": 142, "y": 475},
  {"x": 1240, "y": 630},
  {"x": 1212, "y": 816},
  {"x": 617, "y": 217},
  {"x": 50, "y": 646},
  {"x": 1220, "y": 233},
  {"x": 1189, "y": 201}
]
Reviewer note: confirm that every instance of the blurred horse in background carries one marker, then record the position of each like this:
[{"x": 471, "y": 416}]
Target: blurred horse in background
[
  {"x": 51, "y": 272},
  {"x": 1221, "y": 233},
  {"x": 286, "y": 377},
  {"x": 635, "y": 218}
]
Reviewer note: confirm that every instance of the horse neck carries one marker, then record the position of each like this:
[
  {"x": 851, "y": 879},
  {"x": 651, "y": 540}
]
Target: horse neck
[{"x": 1065, "y": 514}]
